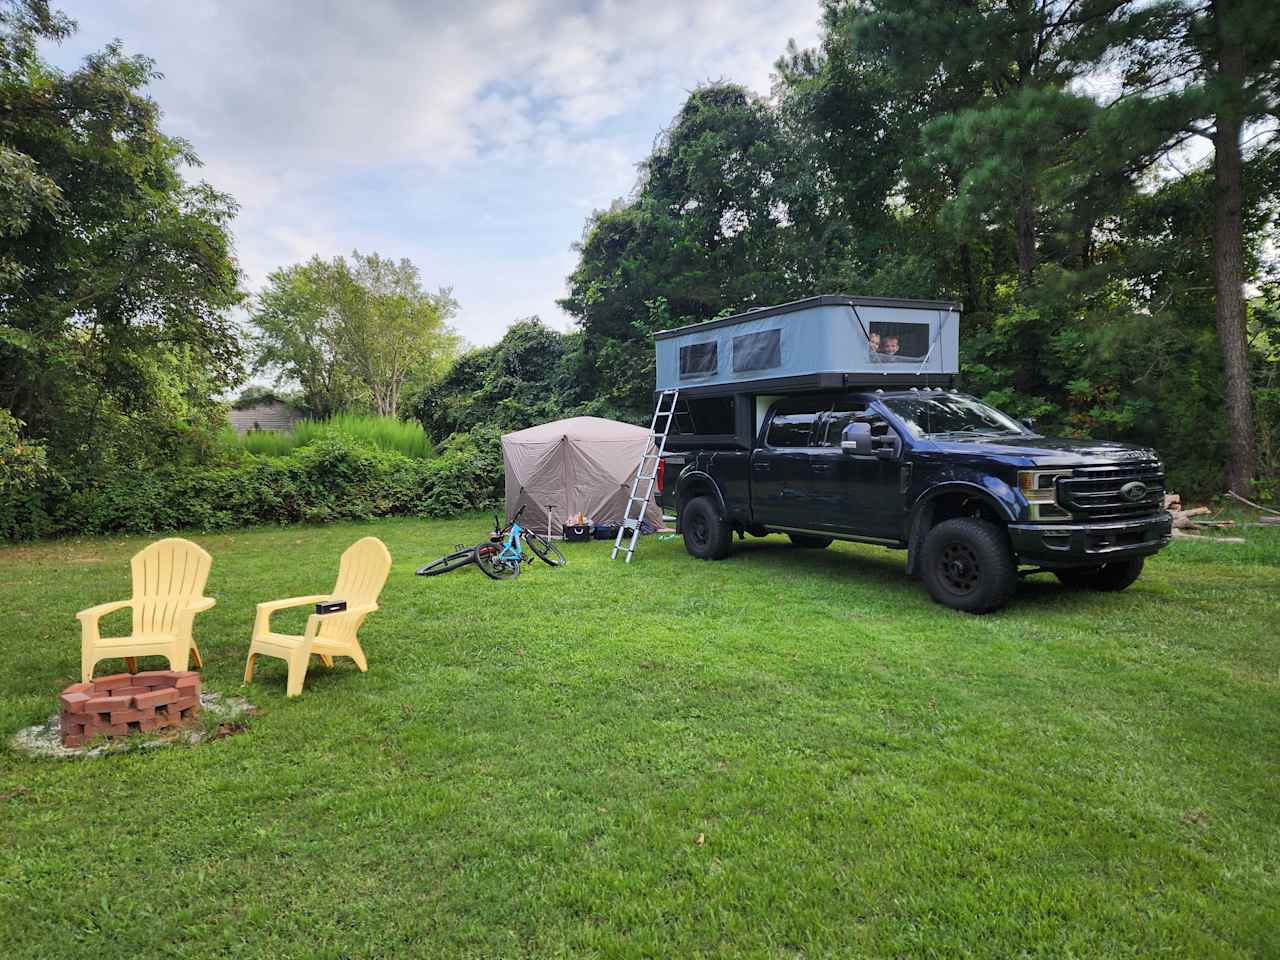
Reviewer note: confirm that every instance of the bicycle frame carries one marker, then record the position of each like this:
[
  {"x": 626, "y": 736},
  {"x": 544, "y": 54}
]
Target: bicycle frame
[
  {"x": 512, "y": 550},
  {"x": 512, "y": 546}
]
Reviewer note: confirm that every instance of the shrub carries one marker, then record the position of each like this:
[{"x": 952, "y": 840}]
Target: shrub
[
  {"x": 25, "y": 477},
  {"x": 331, "y": 478}
]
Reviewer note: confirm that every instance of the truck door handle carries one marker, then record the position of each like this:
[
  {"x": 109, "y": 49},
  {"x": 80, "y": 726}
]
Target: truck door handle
[
  {"x": 760, "y": 466},
  {"x": 821, "y": 467}
]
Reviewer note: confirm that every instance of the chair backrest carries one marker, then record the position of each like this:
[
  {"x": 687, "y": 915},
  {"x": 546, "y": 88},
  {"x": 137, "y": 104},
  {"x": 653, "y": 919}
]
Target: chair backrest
[
  {"x": 362, "y": 572},
  {"x": 167, "y": 576}
]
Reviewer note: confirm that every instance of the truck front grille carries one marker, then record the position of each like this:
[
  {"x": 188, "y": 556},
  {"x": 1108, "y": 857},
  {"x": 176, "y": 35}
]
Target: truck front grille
[{"x": 1105, "y": 493}]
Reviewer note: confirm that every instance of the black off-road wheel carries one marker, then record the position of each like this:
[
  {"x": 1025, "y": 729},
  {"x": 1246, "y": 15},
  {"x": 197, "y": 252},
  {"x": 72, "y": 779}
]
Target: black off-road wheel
[
  {"x": 808, "y": 541},
  {"x": 1110, "y": 577},
  {"x": 706, "y": 535},
  {"x": 967, "y": 565}
]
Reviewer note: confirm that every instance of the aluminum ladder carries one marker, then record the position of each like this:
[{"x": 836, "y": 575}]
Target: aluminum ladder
[{"x": 664, "y": 412}]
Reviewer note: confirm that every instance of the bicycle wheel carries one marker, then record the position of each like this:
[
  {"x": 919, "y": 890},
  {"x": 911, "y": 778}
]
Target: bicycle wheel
[
  {"x": 453, "y": 561},
  {"x": 547, "y": 551},
  {"x": 486, "y": 556}
]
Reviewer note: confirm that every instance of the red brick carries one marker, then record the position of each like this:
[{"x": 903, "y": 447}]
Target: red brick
[
  {"x": 72, "y": 742},
  {"x": 74, "y": 702},
  {"x": 118, "y": 730},
  {"x": 186, "y": 703},
  {"x": 113, "y": 678},
  {"x": 188, "y": 679},
  {"x": 68, "y": 725},
  {"x": 106, "y": 704},
  {"x": 128, "y": 716},
  {"x": 156, "y": 697},
  {"x": 147, "y": 724},
  {"x": 154, "y": 678},
  {"x": 79, "y": 688}
]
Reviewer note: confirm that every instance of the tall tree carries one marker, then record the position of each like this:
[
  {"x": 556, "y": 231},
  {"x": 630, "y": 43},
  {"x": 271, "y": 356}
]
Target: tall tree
[
  {"x": 344, "y": 330},
  {"x": 296, "y": 334},
  {"x": 391, "y": 326},
  {"x": 1235, "y": 47},
  {"x": 114, "y": 271}
]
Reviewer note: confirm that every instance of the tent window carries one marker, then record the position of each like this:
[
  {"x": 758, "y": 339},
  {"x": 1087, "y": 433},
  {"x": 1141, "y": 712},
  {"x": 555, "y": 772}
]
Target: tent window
[
  {"x": 698, "y": 360},
  {"x": 757, "y": 351},
  {"x": 891, "y": 342}
]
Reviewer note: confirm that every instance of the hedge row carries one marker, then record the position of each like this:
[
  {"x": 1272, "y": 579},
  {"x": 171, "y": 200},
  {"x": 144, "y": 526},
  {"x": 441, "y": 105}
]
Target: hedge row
[{"x": 331, "y": 479}]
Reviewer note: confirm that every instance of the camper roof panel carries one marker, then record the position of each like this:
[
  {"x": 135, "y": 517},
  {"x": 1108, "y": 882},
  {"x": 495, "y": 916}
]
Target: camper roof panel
[{"x": 823, "y": 339}]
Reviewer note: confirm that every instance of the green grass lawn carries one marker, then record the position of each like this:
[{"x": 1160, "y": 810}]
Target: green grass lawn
[{"x": 786, "y": 754}]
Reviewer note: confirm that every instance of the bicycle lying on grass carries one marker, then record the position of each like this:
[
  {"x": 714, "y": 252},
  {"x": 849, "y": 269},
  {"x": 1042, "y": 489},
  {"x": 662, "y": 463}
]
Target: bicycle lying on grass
[{"x": 502, "y": 555}]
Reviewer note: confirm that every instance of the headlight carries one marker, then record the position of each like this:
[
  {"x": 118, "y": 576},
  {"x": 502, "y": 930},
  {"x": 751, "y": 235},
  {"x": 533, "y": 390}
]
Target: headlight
[{"x": 1040, "y": 489}]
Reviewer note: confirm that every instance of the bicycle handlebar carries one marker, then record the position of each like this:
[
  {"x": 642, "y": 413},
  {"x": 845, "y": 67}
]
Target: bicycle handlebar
[{"x": 499, "y": 527}]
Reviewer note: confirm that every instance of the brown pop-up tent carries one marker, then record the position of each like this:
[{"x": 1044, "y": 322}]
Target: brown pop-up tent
[{"x": 580, "y": 465}]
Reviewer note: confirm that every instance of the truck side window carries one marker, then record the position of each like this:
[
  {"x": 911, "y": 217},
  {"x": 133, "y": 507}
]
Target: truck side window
[
  {"x": 833, "y": 425},
  {"x": 791, "y": 430}
]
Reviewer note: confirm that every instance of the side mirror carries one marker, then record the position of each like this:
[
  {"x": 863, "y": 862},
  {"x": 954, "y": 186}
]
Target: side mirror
[
  {"x": 1029, "y": 422},
  {"x": 855, "y": 441}
]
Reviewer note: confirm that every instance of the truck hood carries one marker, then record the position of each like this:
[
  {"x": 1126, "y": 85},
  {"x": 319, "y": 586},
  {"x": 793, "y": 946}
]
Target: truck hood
[{"x": 1044, "y": 451}]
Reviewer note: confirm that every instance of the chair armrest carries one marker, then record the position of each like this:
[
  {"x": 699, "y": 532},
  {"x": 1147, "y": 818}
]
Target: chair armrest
[
  {"x": 201, "y": 604},
  {"x": 271, "y": 606},
  {"x": 101, "y": 610},
  {"x": 316, "y": 619},
  {"x": 262, "y": 624}
]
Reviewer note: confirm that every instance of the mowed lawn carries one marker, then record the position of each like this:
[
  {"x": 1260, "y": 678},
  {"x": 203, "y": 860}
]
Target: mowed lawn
[{"x": 786, "y": 754}]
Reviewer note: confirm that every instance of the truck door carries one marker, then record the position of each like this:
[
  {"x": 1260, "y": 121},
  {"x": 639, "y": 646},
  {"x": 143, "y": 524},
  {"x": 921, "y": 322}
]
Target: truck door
[
  {"x": 861, "y": 493},
  {"x": 781, "y": 487}
]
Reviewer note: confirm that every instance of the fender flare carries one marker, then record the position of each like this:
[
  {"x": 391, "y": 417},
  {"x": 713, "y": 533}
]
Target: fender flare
[
  {"x": 687, "y": 479},
  {"x": 920, "y": 519}
]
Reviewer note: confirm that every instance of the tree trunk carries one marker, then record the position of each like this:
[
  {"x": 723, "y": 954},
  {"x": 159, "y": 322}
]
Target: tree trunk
[
  {"x": 1026, "y": 227},
  {"x": 1026, "y": 375},
  {"x": 1228, "y": 176}
]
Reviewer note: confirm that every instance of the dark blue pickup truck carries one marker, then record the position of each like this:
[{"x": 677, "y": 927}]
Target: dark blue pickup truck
[{"x": 974, "y": 497}]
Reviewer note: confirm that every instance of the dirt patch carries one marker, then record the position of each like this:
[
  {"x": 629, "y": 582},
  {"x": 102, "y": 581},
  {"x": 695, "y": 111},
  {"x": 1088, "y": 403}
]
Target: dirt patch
[{"x": 222, "y": 717}]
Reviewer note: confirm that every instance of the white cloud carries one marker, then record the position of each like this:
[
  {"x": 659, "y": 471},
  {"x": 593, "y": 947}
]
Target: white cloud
[{"x": 471, "y": 137}]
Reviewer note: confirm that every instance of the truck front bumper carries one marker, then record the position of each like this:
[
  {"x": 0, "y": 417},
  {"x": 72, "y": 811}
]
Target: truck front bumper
[{"x": 1084, "y": 544}]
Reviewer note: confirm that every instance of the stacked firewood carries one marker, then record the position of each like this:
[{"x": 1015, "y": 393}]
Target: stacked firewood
[{"x": 1188, "y": 519}]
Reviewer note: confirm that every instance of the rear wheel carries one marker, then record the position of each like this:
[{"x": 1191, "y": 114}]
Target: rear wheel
[
  {"x": 808, "y": 541},
  {"x": 706, "y": 536},
  {"x": 489, "y": 564},
  {"x": 967, "y": 565},
  {"x": 547, "y": 551},
  {"x": 1110, "y": 577}
]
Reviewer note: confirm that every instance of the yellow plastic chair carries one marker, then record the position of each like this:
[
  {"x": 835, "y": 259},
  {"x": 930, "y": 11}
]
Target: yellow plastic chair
[
  {"x": 168, "y": 591},
  {"x": 361, "y": 574}
]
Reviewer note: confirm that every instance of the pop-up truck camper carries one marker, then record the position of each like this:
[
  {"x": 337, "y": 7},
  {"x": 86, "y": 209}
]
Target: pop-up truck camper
[
  {"x": 815, "y": 344},
  {"x": 840, "y": 418}
]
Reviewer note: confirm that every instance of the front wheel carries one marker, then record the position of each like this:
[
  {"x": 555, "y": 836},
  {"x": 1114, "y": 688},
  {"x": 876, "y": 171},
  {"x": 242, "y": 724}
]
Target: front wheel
[
  {"x": 1109, "y": 578},
  {"x": 967, "y": 565},
  {"x": 487, "y": 559},
  {"x": 453, "y": 561},
  {"x": 706, "y": 536},
  {"x": 547, "y": 551}
]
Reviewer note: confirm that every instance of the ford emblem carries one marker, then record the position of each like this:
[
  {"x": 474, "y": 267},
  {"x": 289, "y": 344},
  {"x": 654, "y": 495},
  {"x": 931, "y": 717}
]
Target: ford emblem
[{"x": 1133, "y": 491}]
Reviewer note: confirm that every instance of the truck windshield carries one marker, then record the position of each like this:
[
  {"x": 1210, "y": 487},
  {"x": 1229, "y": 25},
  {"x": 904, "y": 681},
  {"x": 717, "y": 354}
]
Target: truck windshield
[{"x": 953, "y": 416}]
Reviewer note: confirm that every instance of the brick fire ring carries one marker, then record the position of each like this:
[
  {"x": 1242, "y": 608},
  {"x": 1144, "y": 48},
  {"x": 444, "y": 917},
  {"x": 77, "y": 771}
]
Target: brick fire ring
[{"x": 127, "y": 703}]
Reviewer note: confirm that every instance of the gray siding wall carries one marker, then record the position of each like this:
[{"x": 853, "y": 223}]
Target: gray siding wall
[{"x": 273, "y": 416}]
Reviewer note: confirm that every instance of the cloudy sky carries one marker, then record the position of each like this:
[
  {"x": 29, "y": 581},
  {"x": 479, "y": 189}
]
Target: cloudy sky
[{"x": 472, "y": 138}]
